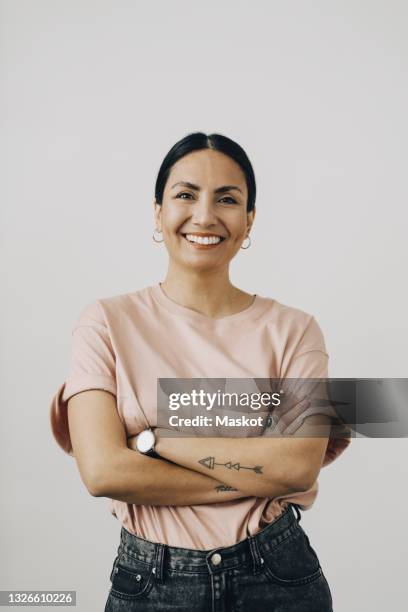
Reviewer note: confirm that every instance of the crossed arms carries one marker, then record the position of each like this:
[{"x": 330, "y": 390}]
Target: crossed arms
[{"x": 191, "y": 470}]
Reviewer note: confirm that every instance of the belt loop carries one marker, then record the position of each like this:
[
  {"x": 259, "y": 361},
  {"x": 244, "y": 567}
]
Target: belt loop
[
  {"x": 298, "y": 515},
  {"x": 256, "y": 557},
  {"x": 158, "y": 562}
]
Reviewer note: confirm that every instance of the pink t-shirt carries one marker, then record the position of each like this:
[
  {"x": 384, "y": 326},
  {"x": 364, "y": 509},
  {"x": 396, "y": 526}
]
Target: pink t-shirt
[{"x": 124, "y": 343}]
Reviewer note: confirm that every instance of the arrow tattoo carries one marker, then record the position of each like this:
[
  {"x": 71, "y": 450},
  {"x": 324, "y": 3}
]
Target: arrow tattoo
[{"x": 210, "y": 462}]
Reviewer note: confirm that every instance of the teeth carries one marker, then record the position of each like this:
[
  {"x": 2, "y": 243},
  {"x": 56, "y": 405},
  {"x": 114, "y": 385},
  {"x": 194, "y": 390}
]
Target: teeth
[{"x": 205, "y": 240}]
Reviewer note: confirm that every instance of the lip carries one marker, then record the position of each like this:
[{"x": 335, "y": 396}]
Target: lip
[{"x": 202, "y": 234}]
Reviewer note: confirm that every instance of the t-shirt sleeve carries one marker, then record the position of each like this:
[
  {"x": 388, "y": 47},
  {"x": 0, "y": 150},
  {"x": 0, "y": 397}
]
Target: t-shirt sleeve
[
  {"x": 309, "y": 360},
  {"x": 92, "y": 366}
]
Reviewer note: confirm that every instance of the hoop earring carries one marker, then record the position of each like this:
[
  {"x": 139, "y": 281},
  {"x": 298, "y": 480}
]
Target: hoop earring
[
  {"x": 160, "y": 232},
  {"x": 249, "y": 244}
]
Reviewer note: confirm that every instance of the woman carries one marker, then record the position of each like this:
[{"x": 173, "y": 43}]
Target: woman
[{"x": 198, "y": 532}]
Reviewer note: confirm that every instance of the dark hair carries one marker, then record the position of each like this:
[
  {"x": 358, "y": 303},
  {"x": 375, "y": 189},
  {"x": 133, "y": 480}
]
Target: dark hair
[{"x": 197, "y": 141}]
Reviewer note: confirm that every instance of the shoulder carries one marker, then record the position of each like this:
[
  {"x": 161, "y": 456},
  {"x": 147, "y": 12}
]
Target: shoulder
[
  {"x": 90, "y": 314},
  {"x": 105, "y": 310},
  {"x": 298, "y": 327},
  {"x": 123, "y": 301},
  {"x": 286, "y": 314}
]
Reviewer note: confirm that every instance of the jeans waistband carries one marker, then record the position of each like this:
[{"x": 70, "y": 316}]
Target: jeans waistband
[{"x": 217, "y": 559}]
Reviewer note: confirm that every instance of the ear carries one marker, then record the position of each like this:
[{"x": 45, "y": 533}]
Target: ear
[
  {"x": 250, "y": 219},
  {"x": 157, "y": 214}
]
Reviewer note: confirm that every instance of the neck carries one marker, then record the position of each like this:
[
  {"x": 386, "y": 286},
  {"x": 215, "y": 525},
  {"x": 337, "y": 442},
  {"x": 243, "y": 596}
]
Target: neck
[{"x": 212, "y": 294}]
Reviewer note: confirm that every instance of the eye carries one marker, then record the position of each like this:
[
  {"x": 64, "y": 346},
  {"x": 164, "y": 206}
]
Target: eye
[
  {"x": 229, "y": 198},
  {"x": 183, "y": 193}
]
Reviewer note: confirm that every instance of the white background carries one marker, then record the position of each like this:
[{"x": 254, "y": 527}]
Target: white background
[{"x": 93, "y": 94}]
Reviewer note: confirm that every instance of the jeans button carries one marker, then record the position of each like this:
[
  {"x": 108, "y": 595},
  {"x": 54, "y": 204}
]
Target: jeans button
[{"x": 216, "y": 559}]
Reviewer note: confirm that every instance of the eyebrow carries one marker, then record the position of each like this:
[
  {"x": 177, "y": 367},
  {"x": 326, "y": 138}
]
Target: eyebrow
[{"x": 222, "y": 189}]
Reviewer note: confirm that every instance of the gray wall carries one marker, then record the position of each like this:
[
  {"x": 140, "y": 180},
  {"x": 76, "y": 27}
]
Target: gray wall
[{"x": 93, "y": 96}]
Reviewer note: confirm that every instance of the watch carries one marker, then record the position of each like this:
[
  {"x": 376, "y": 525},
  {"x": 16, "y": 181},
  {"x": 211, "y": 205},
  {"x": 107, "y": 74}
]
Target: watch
[{"x": 145, "y": 443}]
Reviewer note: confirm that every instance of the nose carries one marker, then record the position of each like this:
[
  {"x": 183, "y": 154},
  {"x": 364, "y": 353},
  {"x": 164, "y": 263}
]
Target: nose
[{"x": 204, "y": 213}]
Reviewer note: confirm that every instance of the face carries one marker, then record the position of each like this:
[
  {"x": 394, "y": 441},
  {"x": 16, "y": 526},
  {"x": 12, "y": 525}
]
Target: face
[{"x": 194, "y": 203}]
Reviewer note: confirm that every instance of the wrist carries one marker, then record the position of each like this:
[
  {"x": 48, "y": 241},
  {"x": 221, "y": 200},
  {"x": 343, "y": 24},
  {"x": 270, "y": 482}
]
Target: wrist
[
  {"x": 158, "y": 444},
  {"x": 131, "y": 442}
]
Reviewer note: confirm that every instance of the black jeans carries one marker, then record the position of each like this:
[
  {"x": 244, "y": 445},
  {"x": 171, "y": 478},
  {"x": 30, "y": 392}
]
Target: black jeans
[{"x": 276, "y": 570}]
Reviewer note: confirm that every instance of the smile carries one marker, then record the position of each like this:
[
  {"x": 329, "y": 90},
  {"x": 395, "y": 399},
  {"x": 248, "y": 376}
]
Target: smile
[{"x": 203, "y": 241}]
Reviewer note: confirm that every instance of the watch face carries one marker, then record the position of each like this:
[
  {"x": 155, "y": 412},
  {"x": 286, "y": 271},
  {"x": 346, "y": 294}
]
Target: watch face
[{"x": 145, "y": 441}]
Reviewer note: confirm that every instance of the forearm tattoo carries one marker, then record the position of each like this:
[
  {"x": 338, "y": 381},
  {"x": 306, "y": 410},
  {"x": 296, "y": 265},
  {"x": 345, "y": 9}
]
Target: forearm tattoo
[
  {"x": 210, "y": 462},
  {"x": 224, "y": 487}
]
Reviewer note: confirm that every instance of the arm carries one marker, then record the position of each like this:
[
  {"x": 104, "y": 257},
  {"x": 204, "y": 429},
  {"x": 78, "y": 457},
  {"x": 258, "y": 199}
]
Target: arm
[
  {"x": 260, "y": 466},
  {"x": 137, "y": 479},
  {"x": 109, "y": 468}
]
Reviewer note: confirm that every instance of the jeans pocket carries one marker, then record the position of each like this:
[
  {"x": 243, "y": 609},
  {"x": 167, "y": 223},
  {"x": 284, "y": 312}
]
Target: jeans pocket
[
  {"x": 131, "y": 578},
  {"x": 292, "y": 562}
]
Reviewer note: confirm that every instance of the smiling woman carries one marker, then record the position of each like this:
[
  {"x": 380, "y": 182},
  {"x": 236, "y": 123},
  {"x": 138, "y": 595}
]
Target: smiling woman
[{"x": 209, "y": 523}]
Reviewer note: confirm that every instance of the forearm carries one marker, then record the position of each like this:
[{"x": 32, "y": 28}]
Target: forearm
[
  {"x": 138, "y": 479},
  {"x": 262, "y": 467}
]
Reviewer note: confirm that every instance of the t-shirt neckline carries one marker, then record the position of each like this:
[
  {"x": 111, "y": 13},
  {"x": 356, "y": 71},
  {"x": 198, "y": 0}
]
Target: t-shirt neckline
[{"x": 183, "y": 311}]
